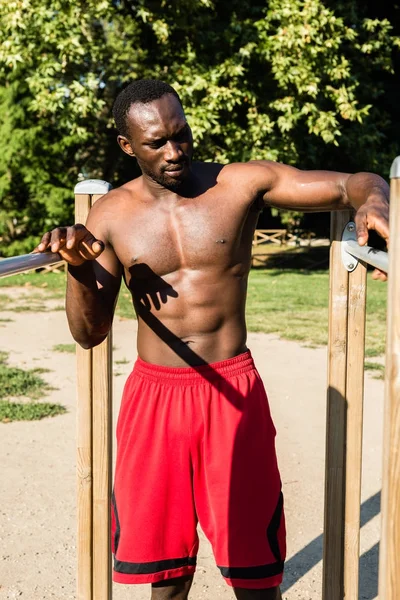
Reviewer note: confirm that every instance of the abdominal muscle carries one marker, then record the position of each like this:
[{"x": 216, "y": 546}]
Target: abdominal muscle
[{"x": 201, "y": 322}]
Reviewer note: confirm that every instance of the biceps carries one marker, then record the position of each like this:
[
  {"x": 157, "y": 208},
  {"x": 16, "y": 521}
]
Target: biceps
[
  {"x": 107, "y": 267},
  {"x": 307, "y": 190}
]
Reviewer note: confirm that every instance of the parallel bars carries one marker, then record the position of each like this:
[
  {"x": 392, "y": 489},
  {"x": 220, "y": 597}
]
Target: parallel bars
[{"x": 344, "y": 423}]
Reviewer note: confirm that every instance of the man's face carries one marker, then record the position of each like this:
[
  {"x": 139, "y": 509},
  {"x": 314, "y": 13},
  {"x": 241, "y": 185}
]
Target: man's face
[{"x": 161, "y": 140}]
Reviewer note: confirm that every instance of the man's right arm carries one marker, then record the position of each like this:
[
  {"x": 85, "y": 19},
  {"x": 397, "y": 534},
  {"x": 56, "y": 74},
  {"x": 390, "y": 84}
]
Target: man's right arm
[{"x": 94, "y": 276}]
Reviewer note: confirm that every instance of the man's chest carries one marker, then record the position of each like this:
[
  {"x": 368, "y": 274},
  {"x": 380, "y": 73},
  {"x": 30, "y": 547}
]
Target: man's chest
[{"x": 189, "y": 236}]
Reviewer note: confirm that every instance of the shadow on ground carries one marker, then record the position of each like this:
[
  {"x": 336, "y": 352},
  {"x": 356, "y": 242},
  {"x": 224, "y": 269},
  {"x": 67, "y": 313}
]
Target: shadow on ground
[{"x": 309, "y": 556}]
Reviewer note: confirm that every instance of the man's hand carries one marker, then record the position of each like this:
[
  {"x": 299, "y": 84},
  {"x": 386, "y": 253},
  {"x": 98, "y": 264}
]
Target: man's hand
[
  {"x": 373, "y": 214},
  {"x": 75, "y": 244}
]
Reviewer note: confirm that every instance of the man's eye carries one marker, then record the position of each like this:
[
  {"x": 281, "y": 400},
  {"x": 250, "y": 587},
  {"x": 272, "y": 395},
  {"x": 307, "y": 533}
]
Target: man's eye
[
  {"x": 182, "y": 134},
  {"x": 156, "y": 144}
]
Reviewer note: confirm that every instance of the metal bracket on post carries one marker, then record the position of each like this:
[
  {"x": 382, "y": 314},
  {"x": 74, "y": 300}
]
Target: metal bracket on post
[
  {"x": 352, "y": 252},
  {"x": 350, "y": 262}
]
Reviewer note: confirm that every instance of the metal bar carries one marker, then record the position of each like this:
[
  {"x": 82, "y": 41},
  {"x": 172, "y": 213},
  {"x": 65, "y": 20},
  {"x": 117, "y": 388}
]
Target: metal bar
[
  {"x": 27, "y": 262},
  {"x": 377, "y": 258}
]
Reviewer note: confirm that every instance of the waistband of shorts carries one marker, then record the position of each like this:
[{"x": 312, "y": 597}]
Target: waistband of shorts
[{"x": 230, "y": 367}]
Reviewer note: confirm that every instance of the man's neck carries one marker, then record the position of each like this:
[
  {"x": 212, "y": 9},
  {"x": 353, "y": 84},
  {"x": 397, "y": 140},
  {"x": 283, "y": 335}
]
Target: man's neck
[{"x": 188, "y": 189}]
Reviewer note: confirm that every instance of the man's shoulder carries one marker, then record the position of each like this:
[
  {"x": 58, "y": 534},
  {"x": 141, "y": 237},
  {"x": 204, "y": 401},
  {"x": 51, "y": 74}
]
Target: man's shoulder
[
  {"x": 246, "y": 175},
  {"x": 119, "y": 195},
  {"x": 223, "y": 168},
  {"x": 106, "y": 213},
  {"x": 235, "y": 172}
]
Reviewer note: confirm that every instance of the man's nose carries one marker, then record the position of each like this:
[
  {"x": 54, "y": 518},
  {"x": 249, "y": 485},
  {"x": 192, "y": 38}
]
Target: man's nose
[{"x": 173, "y": 151}]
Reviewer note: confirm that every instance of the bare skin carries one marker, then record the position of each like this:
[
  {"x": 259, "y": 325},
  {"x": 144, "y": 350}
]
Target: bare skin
[
  {"x": 174, "y": 589},
  {"x": 178, "y": 589},
  {"x": 182, "y": 242},
  {"x": 185, "y": 252}
]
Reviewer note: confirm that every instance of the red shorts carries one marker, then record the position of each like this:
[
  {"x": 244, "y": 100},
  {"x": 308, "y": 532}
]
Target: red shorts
[{"x": 197, "y": 444}]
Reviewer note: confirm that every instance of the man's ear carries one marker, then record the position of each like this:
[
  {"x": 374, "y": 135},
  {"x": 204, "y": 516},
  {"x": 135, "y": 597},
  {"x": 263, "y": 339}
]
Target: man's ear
[{"x": 125, "y": 145}]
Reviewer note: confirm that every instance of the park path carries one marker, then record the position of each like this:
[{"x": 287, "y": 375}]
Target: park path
[{"x": 37, "y": 494}]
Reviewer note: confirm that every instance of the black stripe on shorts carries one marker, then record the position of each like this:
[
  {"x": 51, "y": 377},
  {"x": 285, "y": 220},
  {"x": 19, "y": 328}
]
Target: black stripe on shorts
[
  {"x": 260, "y": 572},
  {"x": 273, "y": 528},
  {"x": 157, "y": 566},
  {"x": 117, "y": 525}
]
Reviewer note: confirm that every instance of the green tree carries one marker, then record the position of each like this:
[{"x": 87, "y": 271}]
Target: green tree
[{"x": 306, "y": 82}]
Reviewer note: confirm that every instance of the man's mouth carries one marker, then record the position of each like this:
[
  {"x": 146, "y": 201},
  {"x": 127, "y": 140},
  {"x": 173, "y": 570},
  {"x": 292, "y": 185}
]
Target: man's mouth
[{"x": 175, "y": 169}]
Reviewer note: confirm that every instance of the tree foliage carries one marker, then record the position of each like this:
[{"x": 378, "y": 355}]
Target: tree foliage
[{"x": 305, "y": 82}]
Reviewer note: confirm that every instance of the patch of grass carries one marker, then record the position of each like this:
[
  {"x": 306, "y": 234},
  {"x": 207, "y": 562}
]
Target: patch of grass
[
  {"x": 64, "y": 348},
  {"x": 291, "y": 304},
  {"x": 28, "y": 308},
  {"x": 42, "y": 286},
  {"x": 373, "y": 366},
  {"x": 6, "y": 320},
  {"x": 49, "y": 281},
  {"x": 33, "y": 411},
  {"x": 31, "y": 302},
  {"x": 124, "y": 307},
  {"x": 4, "y": 301},
  {"x": 123, "y": 361},
  {"x": 19, "y": 382},
  {"x": 294, "y": 305},
  {"x": 27, "y": 384},
  {"x": 371, "y": 352},
  {"x": 377, "y": 368}
]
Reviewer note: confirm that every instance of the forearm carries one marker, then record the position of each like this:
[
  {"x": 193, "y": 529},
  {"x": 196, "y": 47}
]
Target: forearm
[
  {"x": 89, "y": 318},
  {"x": 361, "y": 187}
]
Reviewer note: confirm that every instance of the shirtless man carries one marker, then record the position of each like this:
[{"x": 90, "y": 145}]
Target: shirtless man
[{"x": 195, "y": 435}]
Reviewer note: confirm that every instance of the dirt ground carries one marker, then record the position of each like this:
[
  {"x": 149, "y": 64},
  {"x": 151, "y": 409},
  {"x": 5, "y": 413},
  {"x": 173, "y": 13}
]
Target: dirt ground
[{"x": 37, "y": 495}]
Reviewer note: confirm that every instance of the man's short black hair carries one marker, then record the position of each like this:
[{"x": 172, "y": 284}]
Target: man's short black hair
[{"x": 140, "y": 91}]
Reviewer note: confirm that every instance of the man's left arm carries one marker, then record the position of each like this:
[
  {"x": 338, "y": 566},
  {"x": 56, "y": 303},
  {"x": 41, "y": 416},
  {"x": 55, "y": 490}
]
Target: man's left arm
[{"x": 285, "y": 187}]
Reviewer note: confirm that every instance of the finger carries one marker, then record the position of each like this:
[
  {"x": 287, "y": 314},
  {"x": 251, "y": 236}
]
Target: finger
[
  {"x": 77, "y": 234},
  {"x": 90, "y": 247},
  {"x": 361, "y": 227},
  {"x": 70, "y": 239},
  {"x": 44, "y": 242},
  {"x": 57, "y": 239},
  {"x": 98, "y": 247},
  {"x": 379, "y": 275},
  {"x": 382, "y": 277},
  {"x": 381, "y": 226}
]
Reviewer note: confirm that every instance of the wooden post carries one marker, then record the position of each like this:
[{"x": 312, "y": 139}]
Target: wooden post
[
  {"x": 389, "y": 553},
  {"x": 102, "y": 443},
  {"x": 354, "y": 426},
  {"x": 94, "y": 443},
  {"x": 84, "y": 449},
  {"x": 344, "y": 422}
]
